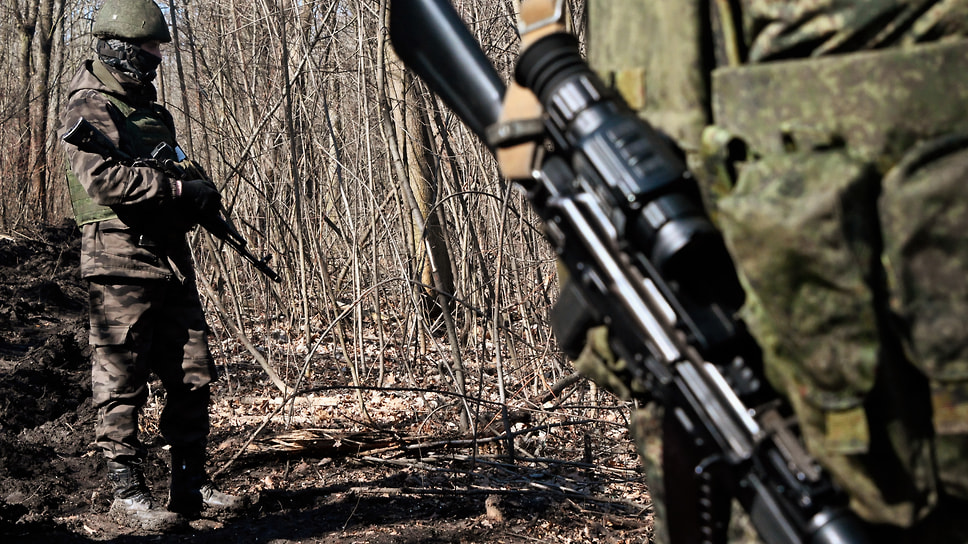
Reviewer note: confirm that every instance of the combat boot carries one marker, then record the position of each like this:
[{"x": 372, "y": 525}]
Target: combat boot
[
  {"x": 133, "y": 505},
  {"x": 192, "y": 490}
]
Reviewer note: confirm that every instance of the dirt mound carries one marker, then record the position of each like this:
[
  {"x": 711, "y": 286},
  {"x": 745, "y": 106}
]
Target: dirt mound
[
  {"x": 43, "y": 340},
  {"x": 45, "y": 402}
]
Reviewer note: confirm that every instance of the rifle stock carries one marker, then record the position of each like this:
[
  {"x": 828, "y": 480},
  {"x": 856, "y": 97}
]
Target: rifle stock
[
  {"x": 625, "y": 217},
  {"x": 89, "y": 138}
]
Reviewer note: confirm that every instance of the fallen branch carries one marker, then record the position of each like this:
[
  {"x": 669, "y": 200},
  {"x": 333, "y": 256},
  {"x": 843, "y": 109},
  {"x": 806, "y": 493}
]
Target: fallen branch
[
  {"x": 550, "y": 399},
  {"x": 532, "y": 488}
]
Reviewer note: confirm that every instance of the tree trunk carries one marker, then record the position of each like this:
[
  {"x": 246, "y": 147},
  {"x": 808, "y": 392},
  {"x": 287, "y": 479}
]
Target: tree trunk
[
  {"x": 26, "y": 29},
  {"x": 412, "y": 125},
  {"x": 40, "y": 84},
  {"x": 410, "y": 147}
]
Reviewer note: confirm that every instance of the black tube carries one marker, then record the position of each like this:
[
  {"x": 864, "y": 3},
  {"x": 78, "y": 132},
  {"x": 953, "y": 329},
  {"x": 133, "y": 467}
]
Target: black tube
[{"x": 430, "y": 38}]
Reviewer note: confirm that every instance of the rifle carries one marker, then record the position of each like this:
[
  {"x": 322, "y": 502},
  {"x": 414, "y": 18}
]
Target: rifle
[
  {"x": 87, "y": 137},
  {"x": 626, "y": 218}
]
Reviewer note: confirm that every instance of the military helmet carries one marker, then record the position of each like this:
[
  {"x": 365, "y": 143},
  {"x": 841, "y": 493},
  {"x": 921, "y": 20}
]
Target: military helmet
[{"x": 131, "y": 20}]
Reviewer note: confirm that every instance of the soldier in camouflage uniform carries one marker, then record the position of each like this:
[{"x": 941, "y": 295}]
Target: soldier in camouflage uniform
[
  {"x": 146, "y": 315},
  {"x": 832, "y": 138}
]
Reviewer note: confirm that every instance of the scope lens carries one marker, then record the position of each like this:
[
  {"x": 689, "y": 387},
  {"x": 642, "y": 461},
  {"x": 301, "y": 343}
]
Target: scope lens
[{"x": 633, "y": 165}]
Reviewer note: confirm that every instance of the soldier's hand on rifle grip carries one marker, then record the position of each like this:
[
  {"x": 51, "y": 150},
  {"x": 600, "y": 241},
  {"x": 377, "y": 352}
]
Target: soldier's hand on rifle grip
[{"x": 199, "y": 199}]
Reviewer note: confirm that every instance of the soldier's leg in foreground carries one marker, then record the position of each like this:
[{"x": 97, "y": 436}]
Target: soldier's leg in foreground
[
  {"x": 119, "y": 385},
  {"x": 183, "y": 361}
]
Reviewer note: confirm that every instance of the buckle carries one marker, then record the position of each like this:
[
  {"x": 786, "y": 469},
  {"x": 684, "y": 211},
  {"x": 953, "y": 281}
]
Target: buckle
[{"x": 555, "y": 17}]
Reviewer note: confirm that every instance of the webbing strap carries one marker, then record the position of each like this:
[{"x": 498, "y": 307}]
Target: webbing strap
[
  {"x": 538, "y": 19},
  {"x": 867, "y": 99}
]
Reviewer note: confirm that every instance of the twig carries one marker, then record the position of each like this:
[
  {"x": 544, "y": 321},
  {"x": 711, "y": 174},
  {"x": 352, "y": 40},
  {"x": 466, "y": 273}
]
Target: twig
[
  {"x": 241, "y": 336},
  {"x": 541, "y": 460},
  {"x": 555, "y": 391}
]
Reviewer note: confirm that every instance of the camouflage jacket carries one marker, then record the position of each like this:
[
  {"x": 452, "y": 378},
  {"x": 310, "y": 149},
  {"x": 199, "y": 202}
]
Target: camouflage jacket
[{"x": 143, "y": 243}]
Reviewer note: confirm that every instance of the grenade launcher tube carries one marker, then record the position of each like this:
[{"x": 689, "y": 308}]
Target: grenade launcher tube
[{"x": 431, "y": 39}]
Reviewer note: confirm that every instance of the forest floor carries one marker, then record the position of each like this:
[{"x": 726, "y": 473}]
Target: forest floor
[{"x": 320, "y": 470}]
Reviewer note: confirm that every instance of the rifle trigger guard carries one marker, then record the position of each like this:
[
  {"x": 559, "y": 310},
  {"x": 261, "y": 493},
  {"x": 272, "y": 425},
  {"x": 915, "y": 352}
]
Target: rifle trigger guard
[{"x": 514, "y": 132}]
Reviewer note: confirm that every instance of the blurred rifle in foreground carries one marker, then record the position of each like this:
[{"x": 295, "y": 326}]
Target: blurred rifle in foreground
[
  {"x": 87, "y": 137},
  {"x": 626, "y": 218}
]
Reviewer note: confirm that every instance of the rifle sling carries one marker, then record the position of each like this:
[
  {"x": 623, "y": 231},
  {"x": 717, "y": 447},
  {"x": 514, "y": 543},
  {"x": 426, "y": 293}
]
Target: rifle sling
[{"x": 538, "y": 19}]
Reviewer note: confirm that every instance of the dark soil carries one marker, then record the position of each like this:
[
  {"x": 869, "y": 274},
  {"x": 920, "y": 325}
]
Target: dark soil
[{"x": 52, "y": 487}]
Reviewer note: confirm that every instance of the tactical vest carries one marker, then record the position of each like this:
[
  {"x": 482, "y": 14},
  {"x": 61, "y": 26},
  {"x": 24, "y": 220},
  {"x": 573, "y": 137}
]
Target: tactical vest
[
  {"x": 142, "y": 128},
  {"x": 842, "y": 214},
  {"x": 837, "y": 183}
]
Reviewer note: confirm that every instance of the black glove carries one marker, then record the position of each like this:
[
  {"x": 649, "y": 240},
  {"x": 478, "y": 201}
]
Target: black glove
[{"x": 200, "y": 199}]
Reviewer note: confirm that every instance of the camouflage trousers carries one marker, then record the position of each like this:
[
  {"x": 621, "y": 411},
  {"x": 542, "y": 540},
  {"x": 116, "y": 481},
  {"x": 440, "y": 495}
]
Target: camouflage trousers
[{"x": 139, "y": 328}]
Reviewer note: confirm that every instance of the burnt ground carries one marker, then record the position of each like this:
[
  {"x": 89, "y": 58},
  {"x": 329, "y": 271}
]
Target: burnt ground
[{"x": 322, "y": 474}]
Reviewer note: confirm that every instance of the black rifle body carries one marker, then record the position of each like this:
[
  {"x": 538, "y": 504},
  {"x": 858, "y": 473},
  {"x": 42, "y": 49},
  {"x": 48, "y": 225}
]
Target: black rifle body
[
  {"x": 87, "y": 137},
  {"x": 624, "y": 215}
]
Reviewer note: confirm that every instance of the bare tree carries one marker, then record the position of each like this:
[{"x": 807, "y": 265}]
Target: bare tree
[
  {"x": 376, "y": 203},
  {"x": 26, "y": 12}
]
